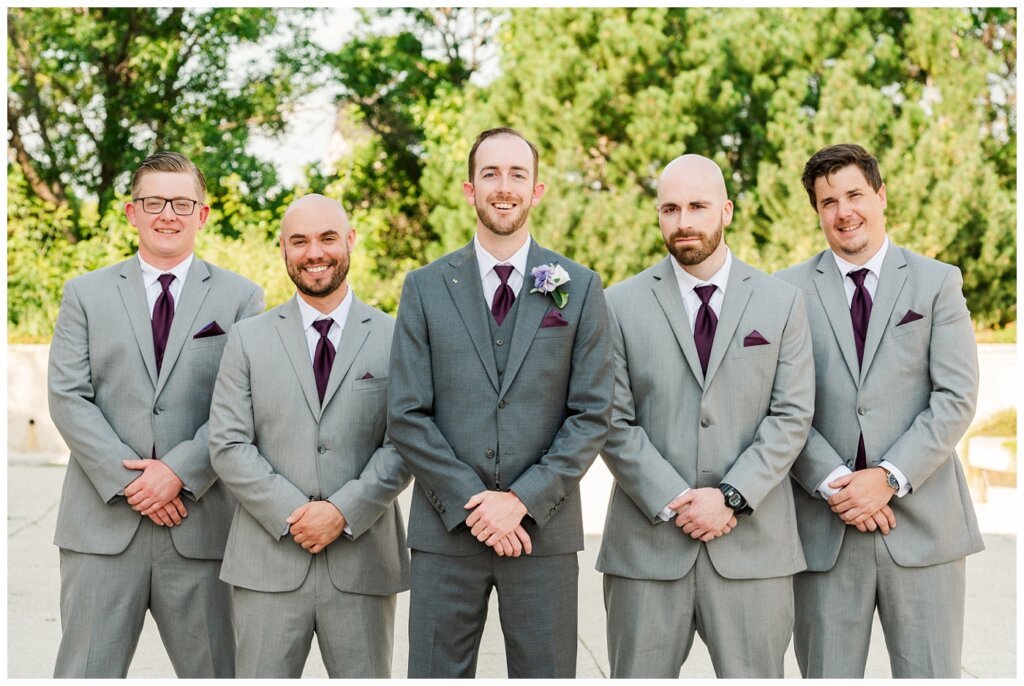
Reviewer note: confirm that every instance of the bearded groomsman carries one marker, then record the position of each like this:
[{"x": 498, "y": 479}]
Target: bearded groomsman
[
  {"x": 714, "y": 390},
  {"x": 499, "y": 402},
  {"x": 297, "y": 430},
  {"x": 143, "y": 519},
  {"x": 883, "y": 507}
]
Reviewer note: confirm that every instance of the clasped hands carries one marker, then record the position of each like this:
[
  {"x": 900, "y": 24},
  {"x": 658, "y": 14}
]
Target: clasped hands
[
  {"x": 316, "y": 524},
  {"x": 863, "y": 500},
  {"x": 703, "y": 514},
  {"x": 156, "y": 492},
  {"x": 496, "y": 520}
]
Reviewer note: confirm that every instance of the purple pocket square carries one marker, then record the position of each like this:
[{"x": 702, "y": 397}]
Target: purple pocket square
[
  {"x": 754, "y": 338},
  {"x": 553, "y": 318},
  {"x": 910, "y": 316},
  {"x": 211, "y": 329},
  {"x": 365, "y": 376}
]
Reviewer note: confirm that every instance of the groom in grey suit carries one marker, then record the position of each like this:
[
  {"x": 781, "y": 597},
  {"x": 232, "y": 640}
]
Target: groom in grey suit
[
  {"x": 883, "y": 507},
  {"x": 297, "y": 428},
  {"x": 143, "y": 520},
  {"x": 499, "y": 402},
  {"x": 714, "y": 390}
]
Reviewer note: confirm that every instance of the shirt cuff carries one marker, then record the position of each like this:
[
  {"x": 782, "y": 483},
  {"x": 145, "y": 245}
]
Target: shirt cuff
[
  {"x": 824, "y": 490},
  {"x": 667, "y": 512},
  {"x": 900, "y": 476}
]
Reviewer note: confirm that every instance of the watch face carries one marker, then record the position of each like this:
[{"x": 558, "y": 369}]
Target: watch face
[{"x": 734, "y": 499}]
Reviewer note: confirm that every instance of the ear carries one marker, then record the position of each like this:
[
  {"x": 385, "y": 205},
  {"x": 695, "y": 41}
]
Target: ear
[
  {"x": 350, "y": 239},
  {"x": 204, "y": 214},
  {"x": 280, "y": 241},
  {"x": 469, "y": 191},
  {"x": 538, "y": 193},
  {"x": 881, "y": 195},
  {"x": 129, "y": 211},
  {"x": 727, "y": 213}
]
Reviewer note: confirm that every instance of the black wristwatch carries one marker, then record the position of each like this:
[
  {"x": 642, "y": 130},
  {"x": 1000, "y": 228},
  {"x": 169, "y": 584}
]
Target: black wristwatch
[{"x": 734, "y": 499}]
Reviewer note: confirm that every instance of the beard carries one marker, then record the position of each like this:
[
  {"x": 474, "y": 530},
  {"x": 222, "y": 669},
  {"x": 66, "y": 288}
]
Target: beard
[
  {"x": 694, "y": 254},
  {"x": 502, "y": 225},
  {"x": 297, "y": 275}
]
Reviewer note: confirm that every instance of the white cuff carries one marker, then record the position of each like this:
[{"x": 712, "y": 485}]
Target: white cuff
[
  {"x": 824, "y": 490},
  {"x": 667, "y": 512},
  {"x": 900, "y": 476}
]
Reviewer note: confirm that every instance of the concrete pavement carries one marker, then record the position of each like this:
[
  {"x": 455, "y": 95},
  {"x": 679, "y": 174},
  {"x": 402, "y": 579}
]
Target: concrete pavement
[{"x": 33, "y": 582}]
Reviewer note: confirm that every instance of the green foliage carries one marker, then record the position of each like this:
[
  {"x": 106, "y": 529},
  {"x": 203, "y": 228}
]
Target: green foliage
[{"x": 1001, "y": 423}]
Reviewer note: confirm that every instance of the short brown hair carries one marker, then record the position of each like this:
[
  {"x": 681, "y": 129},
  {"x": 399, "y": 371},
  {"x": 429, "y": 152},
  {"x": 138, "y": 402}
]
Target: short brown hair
[
  {"x": 166, "y": 161},
  {"x": 828, "y": 161},
  {"x": 501, "y": 131}
]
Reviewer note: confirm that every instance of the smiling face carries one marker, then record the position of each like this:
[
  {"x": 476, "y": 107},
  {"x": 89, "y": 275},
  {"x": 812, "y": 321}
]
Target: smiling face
[
  {"x": 503, "y": 188},
  {"x": 165, "y": 239},
  {"x": 693, "y": 209},
  {"x": 851, "y": 213},
  {"x": 316, "y": 241}
]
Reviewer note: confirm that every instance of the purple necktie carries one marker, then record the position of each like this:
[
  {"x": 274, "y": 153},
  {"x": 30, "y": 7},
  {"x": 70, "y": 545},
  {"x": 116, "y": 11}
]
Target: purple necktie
[
  {"x": 323, "y": 358},
  {"x": 704, "y": 327},
  {"x": 860, "y": 312},
  {"x": 503, "y": 297},
  {"x": 163, "y": 315}
]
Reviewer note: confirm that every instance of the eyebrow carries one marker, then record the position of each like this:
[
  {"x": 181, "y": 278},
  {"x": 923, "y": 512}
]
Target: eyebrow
[{"x": 495, "y": 166}]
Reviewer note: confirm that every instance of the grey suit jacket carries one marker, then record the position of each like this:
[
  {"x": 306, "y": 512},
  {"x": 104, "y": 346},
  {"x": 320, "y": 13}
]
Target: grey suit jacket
[
  {"x": 672, "y": 428},
  {"x": 913, "y": 398},
  {"x": 274, "y": 446},
  {"x": 461, "y": 431},
  {"x": 109, "y": 404}
]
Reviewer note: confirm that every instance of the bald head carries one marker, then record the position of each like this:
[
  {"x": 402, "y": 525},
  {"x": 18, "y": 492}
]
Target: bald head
[
  {"x": 693, "y": 210},
  {"x": 315, "y": 210},
  {"x": 696, "y": 171}
]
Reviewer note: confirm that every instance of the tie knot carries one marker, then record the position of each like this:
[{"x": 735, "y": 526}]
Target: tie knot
[
  {"x": 705, "y": 292},
  {"x": 165, "y": 281},
  {"x": 503, "y": 271},
  {"x": 322, "y": 326},
  {"x": 858, "y": 276}
]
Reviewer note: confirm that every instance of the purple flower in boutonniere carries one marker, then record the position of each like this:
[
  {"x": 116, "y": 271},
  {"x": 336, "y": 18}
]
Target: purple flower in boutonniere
[{"x": 547, "y": 279}]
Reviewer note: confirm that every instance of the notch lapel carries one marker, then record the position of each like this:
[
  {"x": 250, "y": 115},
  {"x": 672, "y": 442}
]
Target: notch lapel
[
  {"x": 890, "y": 283},
  {"x": 666, "y": 291},
  {"x": 191, "y": 298},
  {"x": 532, "y": 307},
  {"x": 289, "y": 328},
  {"x": 737, "y": 293},
  {"x": 462, "y": 277},
  {"x": 133, "y": 294},
  {"x": 352, "y": 338},
  {"x": 829, "y": 284}
]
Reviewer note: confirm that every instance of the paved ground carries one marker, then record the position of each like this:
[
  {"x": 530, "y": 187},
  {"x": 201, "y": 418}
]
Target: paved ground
[{"x": 33, "y": 620}]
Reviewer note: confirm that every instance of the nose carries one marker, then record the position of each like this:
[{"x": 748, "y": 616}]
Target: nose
[
  {"x": 167, "y": 212},
  {"x": 844, "y": 208},
  {"x": 314, "y": 249}
]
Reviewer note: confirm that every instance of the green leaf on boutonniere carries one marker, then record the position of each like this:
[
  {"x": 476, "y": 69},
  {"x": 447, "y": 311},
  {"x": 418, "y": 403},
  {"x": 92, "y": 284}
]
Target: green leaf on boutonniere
[{"x": 560, "y": 298}]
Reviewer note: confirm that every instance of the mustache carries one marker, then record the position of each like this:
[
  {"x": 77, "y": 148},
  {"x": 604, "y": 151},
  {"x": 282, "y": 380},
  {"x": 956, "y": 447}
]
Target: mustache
[{"x": 682, "y": 233}]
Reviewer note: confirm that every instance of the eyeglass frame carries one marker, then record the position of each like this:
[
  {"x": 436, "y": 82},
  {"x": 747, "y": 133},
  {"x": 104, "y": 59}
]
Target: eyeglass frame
[{"x": 163, "y": 207}]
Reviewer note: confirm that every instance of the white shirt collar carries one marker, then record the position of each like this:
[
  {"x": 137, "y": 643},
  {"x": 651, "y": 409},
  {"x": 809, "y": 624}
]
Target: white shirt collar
[
  {"x": 687, "y": 281},
  {"x": 150, "y": 273},
  {"x": 310, "y": 314},
  {"x": 874, "y": 265},
  {"x": 486, "y": 261}
]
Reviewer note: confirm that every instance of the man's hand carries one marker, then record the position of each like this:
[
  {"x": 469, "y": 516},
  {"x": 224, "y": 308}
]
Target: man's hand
[
  {"x": 863, "y": 493},
  {"x": 316, "y": 524},
  {"x": 703, "y": 513},
  {"x": 170, "y": 514},
  {"x": 884, "y": 520},
  {"x": 496, "y": 515},
  {"x": 154, "y": 488},
  {"x": 515, "y": 544}
]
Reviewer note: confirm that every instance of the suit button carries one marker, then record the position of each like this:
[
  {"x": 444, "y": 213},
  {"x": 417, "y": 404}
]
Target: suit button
[
  {"x": 862, "y": 411},
  {"x": 705, "y": 422},
  {"x": 489, "y": 454},
  {"x": 157, "y": 410},
  {"x": 501, "y": 404},
  {"x": 499, "y": 342},
  {"x": 321, "y": 450}
]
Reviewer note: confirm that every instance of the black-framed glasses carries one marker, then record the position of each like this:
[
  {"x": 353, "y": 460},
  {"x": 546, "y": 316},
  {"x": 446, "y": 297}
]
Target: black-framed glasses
[{"x": 154, "y": 204}]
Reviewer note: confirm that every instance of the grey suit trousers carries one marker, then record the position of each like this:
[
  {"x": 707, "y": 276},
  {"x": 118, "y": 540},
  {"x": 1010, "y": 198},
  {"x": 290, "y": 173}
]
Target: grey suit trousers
[
  {"x": 101, "y": 622},
  {"x": 274, "y": 631},
  {"x": 746, "y": 623},
  {"x": 921, "y": 610},
  {"x": 537, "y": 604}
]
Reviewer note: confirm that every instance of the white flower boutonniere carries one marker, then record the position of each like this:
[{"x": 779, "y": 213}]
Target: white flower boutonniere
[{"x": 547, "y": 279}]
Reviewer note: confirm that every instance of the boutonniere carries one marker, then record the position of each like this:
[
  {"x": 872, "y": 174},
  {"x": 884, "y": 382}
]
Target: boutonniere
[{"x": 547, "y": 279}]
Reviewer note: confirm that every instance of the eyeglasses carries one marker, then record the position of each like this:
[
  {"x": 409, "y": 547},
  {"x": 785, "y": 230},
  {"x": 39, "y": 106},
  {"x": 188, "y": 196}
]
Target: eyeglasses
[{"x": 182, "y": 207}]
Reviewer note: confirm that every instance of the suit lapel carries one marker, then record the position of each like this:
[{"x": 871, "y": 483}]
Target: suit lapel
[
  {"x": 289, "y": 328},
  {"x": 191, "y": 298},
  {"x": 829, "y": 284},
  {"x": 133, "y": 294},
  {"x": 737, "y": 293},
  {"x": 890, "y": 284},
  {"x": 352, "y": 338},
  {"x": 532, "y": 307},
  {"x": 666, "y": 291},
  {"x": 462, "y": 277}
]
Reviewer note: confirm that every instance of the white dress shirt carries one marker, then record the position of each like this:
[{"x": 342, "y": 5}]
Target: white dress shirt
[
  {"x": 874, "y": 267},
  {"x": 691, "y": 301},
  {"x": 150, "y": 280},
  {"x": 490, "y": 279}
]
